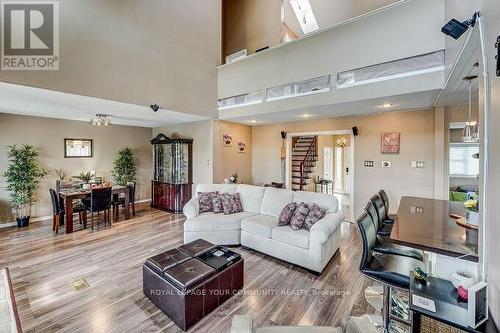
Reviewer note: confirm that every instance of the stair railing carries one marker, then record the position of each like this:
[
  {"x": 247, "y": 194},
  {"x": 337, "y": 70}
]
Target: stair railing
[{"x": 313, "y": 144}]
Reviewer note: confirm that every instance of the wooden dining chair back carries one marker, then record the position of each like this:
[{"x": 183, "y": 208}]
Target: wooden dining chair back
[
  {"x": 57, "y": 210},
  {"x": 100, "y": 200}
]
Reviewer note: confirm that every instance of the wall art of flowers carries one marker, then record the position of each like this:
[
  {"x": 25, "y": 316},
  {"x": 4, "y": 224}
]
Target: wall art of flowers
[
  {"x": 242, "y": 147},
  {"x": 227, "y": 139}
]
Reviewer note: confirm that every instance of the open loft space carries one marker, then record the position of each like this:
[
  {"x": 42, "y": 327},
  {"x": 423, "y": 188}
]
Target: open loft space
[{"x": 250, "y": 166}]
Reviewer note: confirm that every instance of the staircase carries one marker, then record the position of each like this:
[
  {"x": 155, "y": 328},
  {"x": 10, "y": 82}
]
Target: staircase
[{"x": 304, "y": 159}]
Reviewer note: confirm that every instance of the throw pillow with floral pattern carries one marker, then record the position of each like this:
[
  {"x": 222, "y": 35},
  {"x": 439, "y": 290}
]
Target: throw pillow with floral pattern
[
  {"x": 315, "y": 214},
  {"x": 299, "y": 216},
  {"x": 217, "y": 203},
  {"x": 205, "y": 201},
  {"x": 231, "y": 203},
  {"x": 286, "y": 214}
]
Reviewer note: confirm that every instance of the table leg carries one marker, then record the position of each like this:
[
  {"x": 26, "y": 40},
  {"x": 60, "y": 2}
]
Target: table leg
[
  {"x": 127, "y": 204},
  {"x": 68, "y": 202}
]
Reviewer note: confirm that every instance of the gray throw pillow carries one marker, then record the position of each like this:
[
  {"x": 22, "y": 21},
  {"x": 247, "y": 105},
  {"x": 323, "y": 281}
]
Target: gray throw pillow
[
  {"x": 315, "y": 214},
  {"x": 205, "y": 201},
  {"x": 286, "y": 214},
  {"x": 299, "y": 216},
  {"x": 231, "y": 203},
  {"x": 217, "y": 203}
]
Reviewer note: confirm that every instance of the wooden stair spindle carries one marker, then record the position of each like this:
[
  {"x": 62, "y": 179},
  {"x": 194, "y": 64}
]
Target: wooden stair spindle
[{"x": 304, "y": 158}]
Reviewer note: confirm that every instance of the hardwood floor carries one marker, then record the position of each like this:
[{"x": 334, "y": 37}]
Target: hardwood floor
[{"x": 276, "y": 293}]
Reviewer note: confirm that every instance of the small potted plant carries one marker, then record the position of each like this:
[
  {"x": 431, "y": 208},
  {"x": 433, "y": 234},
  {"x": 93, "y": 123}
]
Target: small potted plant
[
  {"x": 472, "y": 211},
  {"x": 85, "y": 177},
  {"x": 233, "y": 179},
  {"x": 23, "y": 176},
  {"x": 125, "y": 168}
]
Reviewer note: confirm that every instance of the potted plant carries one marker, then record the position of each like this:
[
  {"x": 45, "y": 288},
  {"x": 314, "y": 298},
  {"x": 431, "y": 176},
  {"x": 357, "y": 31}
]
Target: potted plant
[
  {"x": 472, "y": 211},
  {"x": 233, "y": 179},
  {"x": 23, "y": 176},
  {"x": 85, "y": 177},
  {"x": 125, "y": 167}
]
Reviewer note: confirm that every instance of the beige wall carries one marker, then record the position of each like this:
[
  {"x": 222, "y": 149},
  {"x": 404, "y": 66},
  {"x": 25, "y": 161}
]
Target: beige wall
[
  {"x": 47, "y": 136},
  {"x": 417, "y": 144},
  {"x": 228, "y": 160},
  {"x": 201, "y": 133},
  {"x": 140, "y": 52},
  {"x": 251, "y": 25}
]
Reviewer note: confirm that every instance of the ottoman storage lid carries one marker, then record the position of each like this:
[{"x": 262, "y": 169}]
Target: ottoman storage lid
[
  {"x": 165, "y": 260},
  {"x": 196, "y": 248},
  {"x": 188, "y": 274}
]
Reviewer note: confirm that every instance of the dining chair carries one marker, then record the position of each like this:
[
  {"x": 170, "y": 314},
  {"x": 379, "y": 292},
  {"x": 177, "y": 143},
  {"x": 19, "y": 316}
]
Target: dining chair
[
  {"x": 120, "y": 201},
  {"x": 58, "y": 211},
  {"x": 100, "y": 201}
]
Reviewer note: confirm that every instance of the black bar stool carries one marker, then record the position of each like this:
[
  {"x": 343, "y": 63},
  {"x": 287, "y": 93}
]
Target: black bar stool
[
  {"x": 389, "y": 218},
  {"x": 381, "y": 228},
  {"x": 392, "y": 271}
]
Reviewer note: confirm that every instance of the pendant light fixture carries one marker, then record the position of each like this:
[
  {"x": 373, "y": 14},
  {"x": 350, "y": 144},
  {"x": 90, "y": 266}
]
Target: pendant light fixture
[
  {"x": 100, "y": 119},
  {"x": 470, "y": 133}
]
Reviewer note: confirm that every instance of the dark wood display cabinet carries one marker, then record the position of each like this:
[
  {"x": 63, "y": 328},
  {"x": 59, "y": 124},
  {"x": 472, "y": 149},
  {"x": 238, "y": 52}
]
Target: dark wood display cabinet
[{"x": 173, "y": 173}]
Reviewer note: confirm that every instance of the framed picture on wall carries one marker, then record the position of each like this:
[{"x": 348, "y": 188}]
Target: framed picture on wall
[
  {"x": 227, "y": 140},
  {"x": 242, "y": 147},
  {"x": 390, "y": 143},
  {"x": 78, "y": 148}
]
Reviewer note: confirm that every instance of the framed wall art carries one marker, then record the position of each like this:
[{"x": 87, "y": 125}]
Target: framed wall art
[{"x": 390, "y": 143}]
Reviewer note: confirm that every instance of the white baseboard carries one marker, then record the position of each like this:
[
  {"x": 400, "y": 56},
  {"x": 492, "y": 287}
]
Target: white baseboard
[{"x": 43, "y": 218}]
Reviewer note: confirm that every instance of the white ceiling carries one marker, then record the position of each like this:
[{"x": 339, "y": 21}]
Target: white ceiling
[
  {"x": 412, "y": 101},
  {"x": 29, "y": 101}
]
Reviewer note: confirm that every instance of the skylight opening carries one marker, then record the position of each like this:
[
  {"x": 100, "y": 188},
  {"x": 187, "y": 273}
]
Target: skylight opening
[{"x": 303, "y": 11}]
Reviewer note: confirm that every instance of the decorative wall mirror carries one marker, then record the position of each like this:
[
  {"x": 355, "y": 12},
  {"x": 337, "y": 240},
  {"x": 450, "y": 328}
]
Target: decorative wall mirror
[{"x": 77, "y": 148}]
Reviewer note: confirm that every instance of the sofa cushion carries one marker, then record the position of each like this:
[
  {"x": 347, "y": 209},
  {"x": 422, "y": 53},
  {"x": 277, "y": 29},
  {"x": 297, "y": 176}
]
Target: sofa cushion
[
  {"x": 261, "y": 225},
  {"x": 275, "y": 200},
  {"x": 216, "y": 222},
  {"x": 286, "y": 214},
  {"x": 205, "y": 201},
  {"x": 286, "y": 234},
  {"x": 325, "y": 201},
  {"x": 315, "y": 214},
  {"x": 251, "y": 197},
  {"x": 231, "y": 203},
  {"x": 299, "y": 216}
]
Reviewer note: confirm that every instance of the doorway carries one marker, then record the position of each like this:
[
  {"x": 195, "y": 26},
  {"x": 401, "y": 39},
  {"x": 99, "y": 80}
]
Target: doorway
[{"x": 330, "y": 171}]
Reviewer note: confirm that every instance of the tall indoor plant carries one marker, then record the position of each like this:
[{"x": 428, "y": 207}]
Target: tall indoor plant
[
  {"x": 125, "y": 167},
  {"x": 23, "y": 177}
]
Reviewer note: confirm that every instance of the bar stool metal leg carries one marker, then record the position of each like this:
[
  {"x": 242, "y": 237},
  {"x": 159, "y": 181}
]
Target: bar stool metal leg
[{"x": 386, "y": 308}]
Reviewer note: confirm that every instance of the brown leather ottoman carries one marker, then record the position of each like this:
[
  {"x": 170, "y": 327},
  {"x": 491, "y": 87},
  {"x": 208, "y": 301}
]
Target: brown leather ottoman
[{"x": 186, "y": 288}]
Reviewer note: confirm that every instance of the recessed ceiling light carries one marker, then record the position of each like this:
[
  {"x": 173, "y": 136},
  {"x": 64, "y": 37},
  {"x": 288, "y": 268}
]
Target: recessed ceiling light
[
  {"x": 306, "y": 115},
  {"x": 386, "y": 105},
  {"x": 253, "y": 121}
]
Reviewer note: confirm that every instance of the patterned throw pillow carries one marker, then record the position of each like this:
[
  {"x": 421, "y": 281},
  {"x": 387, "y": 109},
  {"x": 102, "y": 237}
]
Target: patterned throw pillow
[
  {"x": 205, "y": 201},
  {"x": 299, "y": 216},
  {"x": 315, "y": 214},
  {"x": 231, "y": 203},
  {"x": 217, "y": 203},
  {"x": 286, "y": 214}
]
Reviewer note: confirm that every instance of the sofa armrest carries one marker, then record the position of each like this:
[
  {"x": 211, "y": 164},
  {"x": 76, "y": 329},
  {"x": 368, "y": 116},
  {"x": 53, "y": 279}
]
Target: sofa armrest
[
  {"x": 242, "y": 324},
  {"x": 321, "y": 230},
  {"x": 191, "y": 208}
]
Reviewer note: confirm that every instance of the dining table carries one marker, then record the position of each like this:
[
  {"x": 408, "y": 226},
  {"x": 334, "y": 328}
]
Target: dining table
[
  {"x": 70, "y": 195},
  {"x": 434, "y": 225}
]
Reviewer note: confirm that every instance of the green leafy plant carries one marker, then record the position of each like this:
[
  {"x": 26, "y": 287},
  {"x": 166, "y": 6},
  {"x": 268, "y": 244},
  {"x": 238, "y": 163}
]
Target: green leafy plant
[
  {"x": 85, "y": 177},
  {"x": 125, "y": 167},
  {"x": 61, "y": 173},
  {"x": 23, "y": 176}
]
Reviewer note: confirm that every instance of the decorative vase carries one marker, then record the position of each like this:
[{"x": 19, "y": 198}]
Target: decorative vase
[
  {"x": 23, "y": 221},
  {"x": 472, "y": 217}
]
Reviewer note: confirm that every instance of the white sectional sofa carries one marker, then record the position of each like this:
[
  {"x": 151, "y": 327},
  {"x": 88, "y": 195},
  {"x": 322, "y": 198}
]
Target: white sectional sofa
[{"x": 257, "y": 226}]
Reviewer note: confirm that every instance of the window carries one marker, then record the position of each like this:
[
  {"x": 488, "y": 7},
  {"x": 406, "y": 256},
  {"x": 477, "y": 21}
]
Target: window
[
  {"x": 462, "y": 164},
  {"x": 328, "y": 163},
  {"x": 420, "y": 64},
  {"x": 302, "y": 88},
  {"x": 241, "y": 100}
]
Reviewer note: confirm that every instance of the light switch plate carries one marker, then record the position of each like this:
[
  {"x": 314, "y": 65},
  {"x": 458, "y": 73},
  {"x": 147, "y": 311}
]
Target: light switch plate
[
  {"x": 418, "y": 164},
  {"x": 369, "y": 164}
]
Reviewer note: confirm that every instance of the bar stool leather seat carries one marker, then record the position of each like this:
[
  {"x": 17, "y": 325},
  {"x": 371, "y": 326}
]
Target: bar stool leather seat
[{"x": 389, "y": 269}]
